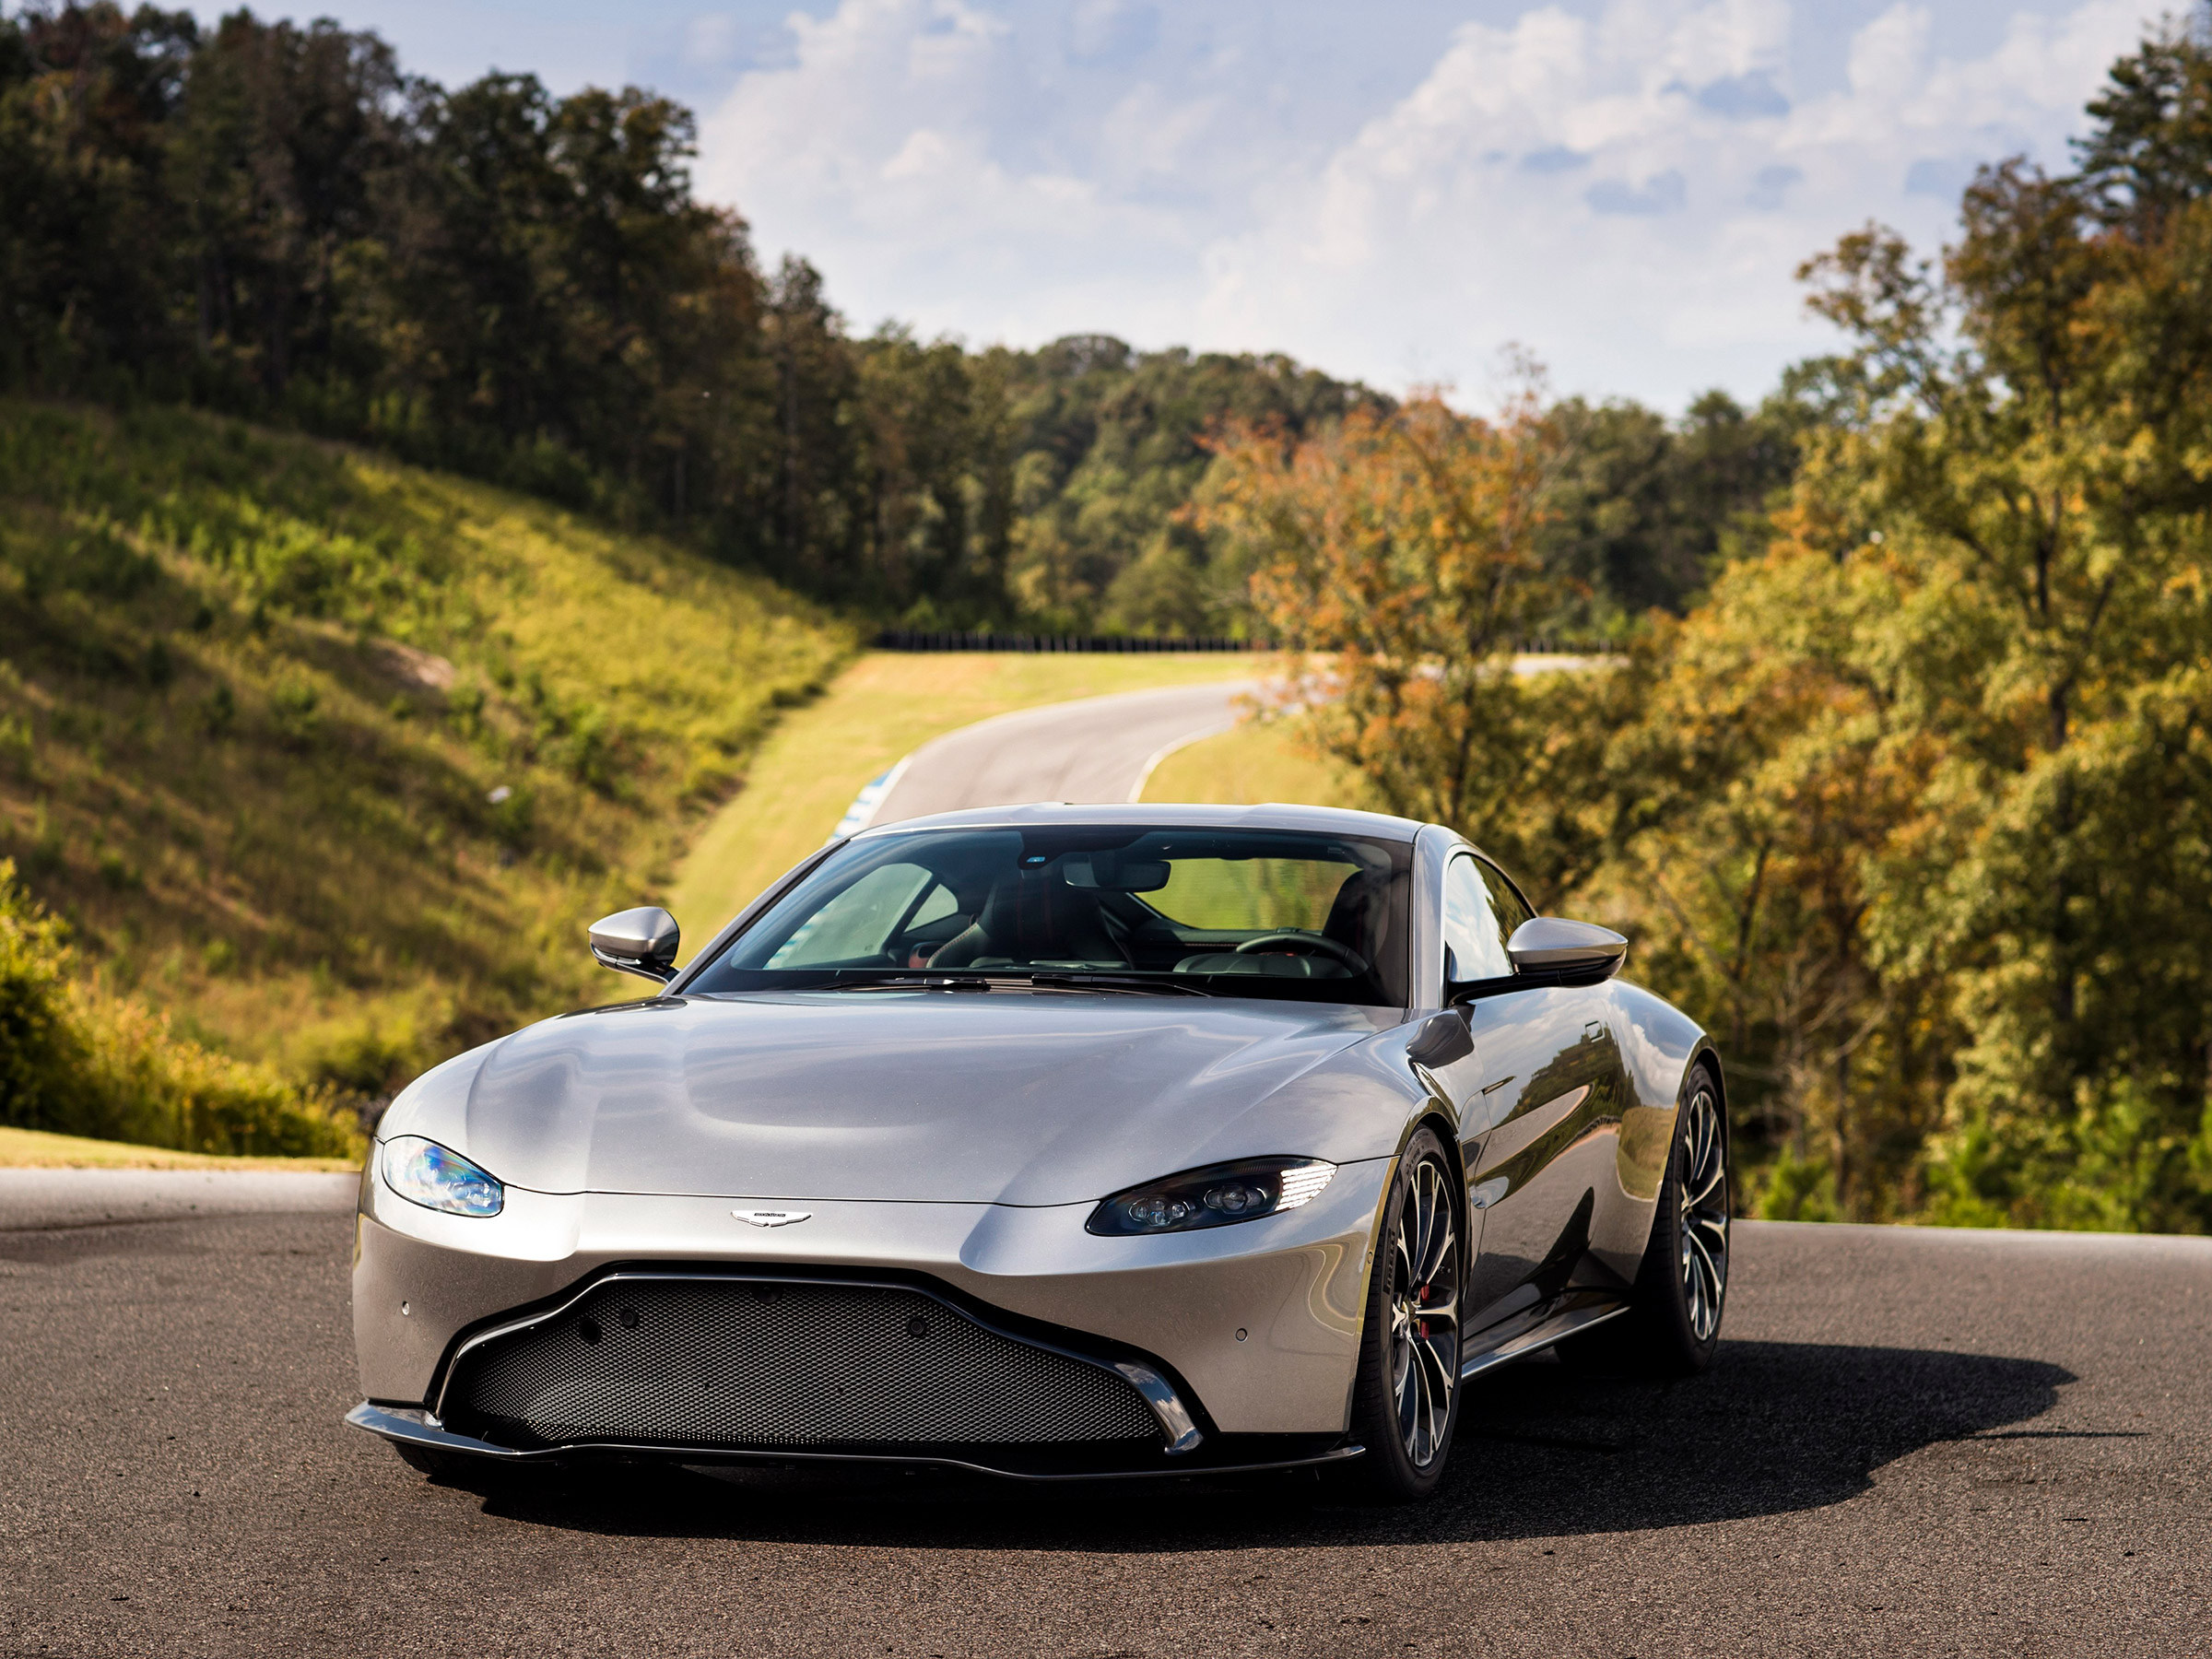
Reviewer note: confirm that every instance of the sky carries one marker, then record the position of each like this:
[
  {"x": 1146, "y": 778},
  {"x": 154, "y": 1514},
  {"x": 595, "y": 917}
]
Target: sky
[{"x": 1395, "y": 191}]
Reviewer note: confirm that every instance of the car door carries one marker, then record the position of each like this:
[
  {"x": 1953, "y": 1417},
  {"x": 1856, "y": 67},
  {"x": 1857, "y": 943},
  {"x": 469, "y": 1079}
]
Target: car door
[{"x": 1545, "y": 1110}]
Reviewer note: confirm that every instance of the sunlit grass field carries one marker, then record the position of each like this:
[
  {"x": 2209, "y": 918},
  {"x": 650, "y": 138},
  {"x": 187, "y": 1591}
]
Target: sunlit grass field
[
  {"x": 881, "y": 709},
  {"x": 1256, "y": 763},
  {"x": 35, "y": 1149},
  {"x": 332, "y": 758}
]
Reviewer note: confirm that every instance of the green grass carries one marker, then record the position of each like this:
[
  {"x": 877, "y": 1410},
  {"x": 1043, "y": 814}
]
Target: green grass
[
  {"x": 1256, "y": 763},
  {"x": 37, "y": 1149},
  {"x": 258, "y": 695},
  {"x": 883, "y": 707}
]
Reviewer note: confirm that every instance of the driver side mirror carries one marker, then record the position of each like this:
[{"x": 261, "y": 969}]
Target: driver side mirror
[
  {"x": 1551, "y": 951},
  {"x": 641, "y": 941}
]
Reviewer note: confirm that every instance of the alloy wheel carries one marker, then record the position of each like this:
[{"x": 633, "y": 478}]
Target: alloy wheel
[
  {"x": 1702, "y": 1181},
  {"x": 1424, "y": 1312}
]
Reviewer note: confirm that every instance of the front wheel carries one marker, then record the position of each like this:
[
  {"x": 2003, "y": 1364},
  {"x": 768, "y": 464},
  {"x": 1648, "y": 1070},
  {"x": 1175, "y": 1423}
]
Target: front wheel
[{"x": 1405, "y": 1405}]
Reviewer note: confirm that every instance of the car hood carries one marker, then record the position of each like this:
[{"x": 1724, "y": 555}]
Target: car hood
[{"x": 997, "y": 1097}]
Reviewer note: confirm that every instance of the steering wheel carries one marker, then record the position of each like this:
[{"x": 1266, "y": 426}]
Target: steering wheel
[{"x": 1305, "y": 944}]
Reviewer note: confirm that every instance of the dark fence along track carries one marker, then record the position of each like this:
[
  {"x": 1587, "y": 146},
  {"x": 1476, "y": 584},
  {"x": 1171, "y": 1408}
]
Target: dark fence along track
[{"x": 911, "y": 638}]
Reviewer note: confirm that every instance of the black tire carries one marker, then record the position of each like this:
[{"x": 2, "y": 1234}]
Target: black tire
[
  {"x": 1673, "y": 1322},
  {"x": 1409, "y": 1341}
]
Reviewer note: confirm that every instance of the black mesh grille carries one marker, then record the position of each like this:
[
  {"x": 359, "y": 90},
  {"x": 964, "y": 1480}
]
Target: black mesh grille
[{"x": 754, "y": 1363}]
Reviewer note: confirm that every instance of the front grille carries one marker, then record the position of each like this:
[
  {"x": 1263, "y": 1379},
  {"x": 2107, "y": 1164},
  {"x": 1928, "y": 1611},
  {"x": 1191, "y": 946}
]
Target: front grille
[{"x": 761, "y": 1364}]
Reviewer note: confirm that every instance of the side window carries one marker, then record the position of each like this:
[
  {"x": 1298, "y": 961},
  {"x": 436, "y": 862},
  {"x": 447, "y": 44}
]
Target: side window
[
  {"x": 1474, "y": 948},
  {"x": 1507, "y": 903}
]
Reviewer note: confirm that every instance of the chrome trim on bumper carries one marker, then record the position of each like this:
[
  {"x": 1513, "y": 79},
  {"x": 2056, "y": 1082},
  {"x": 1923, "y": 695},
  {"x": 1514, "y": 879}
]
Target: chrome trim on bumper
[
  {"x": 1167, "y": 1405},
  {"x": 1181, "y": 1431}
]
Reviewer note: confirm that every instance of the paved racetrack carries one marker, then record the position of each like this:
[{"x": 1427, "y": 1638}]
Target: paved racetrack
[
  {"x": 1912, "y": 1443},
  {"x": 1100, "y": 749}
]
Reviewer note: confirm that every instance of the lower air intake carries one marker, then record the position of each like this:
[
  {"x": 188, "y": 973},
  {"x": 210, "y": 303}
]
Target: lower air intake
[{"x": 763, "y": 1364}]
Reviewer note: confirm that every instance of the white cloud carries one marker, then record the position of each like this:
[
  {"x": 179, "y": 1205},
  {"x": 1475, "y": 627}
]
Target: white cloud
[{"x": 1625, "y": 186}]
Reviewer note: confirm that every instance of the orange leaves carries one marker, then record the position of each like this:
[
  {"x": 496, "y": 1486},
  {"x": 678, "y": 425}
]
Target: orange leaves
[{"x": 1408, "y": 534}]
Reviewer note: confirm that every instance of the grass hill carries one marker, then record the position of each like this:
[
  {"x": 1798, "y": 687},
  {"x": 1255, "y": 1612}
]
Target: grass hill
[{"x": 330, "y": 759}]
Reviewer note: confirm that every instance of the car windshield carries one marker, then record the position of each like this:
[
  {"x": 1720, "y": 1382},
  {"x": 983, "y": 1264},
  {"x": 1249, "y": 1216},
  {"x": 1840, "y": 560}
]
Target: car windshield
[{"x": 1236, "y": 912}]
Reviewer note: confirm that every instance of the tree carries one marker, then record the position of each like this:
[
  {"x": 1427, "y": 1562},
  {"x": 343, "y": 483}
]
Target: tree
[
  {"x": 1644, "y": 511},
  {"x": 1397, "y": 555},
  {"x": 1936, "y": 753}
]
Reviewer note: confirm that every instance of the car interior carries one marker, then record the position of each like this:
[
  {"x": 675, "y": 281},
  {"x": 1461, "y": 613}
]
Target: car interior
[{"x": 1275, "y": 906}]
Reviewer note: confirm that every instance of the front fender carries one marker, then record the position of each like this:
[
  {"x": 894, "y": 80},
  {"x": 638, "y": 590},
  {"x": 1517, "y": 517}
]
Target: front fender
[{"x": 1658, "y": 1045}]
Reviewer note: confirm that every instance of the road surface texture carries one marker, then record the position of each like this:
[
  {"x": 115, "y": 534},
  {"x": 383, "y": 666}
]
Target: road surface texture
[
  {"x": 1912, "y": 1442},
  {"x": 1101, "y": 748}
]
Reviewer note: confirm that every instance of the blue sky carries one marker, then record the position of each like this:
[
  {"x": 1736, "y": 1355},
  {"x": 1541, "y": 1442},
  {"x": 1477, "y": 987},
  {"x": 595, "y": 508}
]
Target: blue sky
[{"x": 1395, "y": 190}]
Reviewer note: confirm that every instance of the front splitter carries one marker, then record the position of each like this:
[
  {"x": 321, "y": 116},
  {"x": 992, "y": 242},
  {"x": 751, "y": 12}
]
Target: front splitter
[{"x": 1223, "y": 1455}]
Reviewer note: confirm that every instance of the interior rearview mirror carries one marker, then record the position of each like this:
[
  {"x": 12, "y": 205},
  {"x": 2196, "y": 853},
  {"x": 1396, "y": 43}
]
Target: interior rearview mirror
[
  {"x": 1111, "y": 872},
  {"x": 1554, "y": 951},
  {"x": 641, "y": 941}
]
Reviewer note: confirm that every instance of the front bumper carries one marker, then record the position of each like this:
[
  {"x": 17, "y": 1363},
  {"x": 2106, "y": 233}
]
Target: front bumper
[{"x": 1255, "y": 1327}]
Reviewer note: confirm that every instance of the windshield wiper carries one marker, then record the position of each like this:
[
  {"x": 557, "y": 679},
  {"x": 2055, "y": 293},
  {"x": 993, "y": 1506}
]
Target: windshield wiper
[
  {"x": 899, "y": 982},
  {"x": 1141, "y": 983},
  {"x": 1072, "y": 978}
]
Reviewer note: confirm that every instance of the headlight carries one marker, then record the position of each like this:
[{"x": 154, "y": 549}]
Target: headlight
[
  {"x": 424, "y": 1172},
  {"x": 1213, "y": 1196}
]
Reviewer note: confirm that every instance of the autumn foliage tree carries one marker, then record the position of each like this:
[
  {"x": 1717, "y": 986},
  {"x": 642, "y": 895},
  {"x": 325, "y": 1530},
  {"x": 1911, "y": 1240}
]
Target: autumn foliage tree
[
  {"x": 1938, "y": 751},
  {"x": 1396, "y": 557},
  {"x": 1915, "y": 806}
]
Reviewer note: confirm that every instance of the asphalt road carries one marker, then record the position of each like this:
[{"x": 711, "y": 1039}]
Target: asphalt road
[
  {"x": 1913, "y": 1443},
  {"x": 1098, "y": 749}
]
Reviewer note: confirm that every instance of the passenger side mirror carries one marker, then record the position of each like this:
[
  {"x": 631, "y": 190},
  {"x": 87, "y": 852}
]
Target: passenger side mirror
[
  {"x": 641, "y": 941},
  {"x": 1551, "y": 951}
]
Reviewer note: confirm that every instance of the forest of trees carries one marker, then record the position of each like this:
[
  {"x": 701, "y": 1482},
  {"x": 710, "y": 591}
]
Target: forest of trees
[
  {"x": 278, "y": 221},
  {"x": 1914, "y": 806}
]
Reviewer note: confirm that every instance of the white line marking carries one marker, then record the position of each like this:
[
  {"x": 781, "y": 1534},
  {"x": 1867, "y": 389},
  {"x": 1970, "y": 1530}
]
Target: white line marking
[
  {"x": 862, "y": 813},
  {"x": 1136, "y": 790}
]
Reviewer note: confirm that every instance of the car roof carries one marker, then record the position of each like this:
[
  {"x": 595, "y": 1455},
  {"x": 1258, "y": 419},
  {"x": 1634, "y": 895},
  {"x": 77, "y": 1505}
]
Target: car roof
[{"x": 1270, "y": 815}]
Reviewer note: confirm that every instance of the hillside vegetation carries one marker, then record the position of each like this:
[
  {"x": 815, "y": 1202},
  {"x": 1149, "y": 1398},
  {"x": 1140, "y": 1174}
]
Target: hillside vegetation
[{"x": 331, "y": 759}]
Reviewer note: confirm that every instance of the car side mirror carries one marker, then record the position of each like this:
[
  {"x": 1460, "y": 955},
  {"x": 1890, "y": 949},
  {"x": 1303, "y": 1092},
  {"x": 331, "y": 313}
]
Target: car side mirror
[
  {"x": 641, "y": 941},
  {"x": 1551, "y": 951}
]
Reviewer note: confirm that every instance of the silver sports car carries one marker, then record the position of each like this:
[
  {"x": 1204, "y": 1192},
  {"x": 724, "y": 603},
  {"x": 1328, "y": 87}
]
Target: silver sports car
[{"x": 1053, "y": 1141}]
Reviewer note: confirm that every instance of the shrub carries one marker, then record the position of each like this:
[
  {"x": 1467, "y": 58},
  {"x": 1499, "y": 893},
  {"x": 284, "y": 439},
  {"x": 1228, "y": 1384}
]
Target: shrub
[
  {"x": 41, "y": 1049},
  {"x": 80, "y": 1062},
  {"x": 152, "y": 1086}
]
